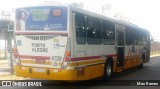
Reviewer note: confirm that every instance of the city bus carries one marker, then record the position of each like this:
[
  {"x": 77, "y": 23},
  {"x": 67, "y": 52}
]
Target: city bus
[{"x": 64, "y": 42}]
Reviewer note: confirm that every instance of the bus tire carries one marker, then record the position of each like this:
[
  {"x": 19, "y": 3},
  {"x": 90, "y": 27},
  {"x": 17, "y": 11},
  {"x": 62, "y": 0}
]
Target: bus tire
[
  {"x": 142, "y": 60},
  {"x": 108, "y": 70},
  {"x": 140, "y": 66},
  {"x": 143, "y": 57}
]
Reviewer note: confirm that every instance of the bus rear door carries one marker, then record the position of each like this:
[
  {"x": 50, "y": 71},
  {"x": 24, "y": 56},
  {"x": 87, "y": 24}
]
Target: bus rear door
[{"x": 120, "y": 46}]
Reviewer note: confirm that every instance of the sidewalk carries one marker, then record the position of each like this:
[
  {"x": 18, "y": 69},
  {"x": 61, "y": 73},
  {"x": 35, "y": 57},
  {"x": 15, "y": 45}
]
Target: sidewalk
[
  {"x": 5, "y": 71},
  {"x": 4, "y": 67},
  {"x": 154, "y": 55},
  {"x": 3, "y": 61},
  {"x": 11, "y": 77}
]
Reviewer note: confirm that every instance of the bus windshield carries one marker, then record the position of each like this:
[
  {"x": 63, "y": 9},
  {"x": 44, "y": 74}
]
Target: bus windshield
[{"x": 42, "y": 18}]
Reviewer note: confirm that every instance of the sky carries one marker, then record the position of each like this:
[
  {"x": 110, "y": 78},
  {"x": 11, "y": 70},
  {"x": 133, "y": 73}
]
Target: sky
[{"x": 144, "y": 13}]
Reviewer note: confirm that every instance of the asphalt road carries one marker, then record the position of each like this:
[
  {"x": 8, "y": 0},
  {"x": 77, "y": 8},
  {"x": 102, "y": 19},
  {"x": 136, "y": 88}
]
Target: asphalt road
[{"x": 150, "y": 71}]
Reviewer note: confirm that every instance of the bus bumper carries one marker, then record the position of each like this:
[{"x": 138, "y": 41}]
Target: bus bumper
[
  {"x": 46, "y": 73},
  {"x": 75, "y": 74}
]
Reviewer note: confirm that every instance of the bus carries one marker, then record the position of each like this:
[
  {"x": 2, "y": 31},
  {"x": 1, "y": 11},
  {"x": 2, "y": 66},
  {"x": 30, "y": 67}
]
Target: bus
[{"x": 64, "y": 42}]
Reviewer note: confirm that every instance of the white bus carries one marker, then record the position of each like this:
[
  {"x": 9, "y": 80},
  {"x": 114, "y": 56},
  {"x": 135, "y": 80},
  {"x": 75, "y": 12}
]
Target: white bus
[{"x": 63, "y": 42}]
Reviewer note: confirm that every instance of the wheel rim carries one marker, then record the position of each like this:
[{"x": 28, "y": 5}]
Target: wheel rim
[{"x": 108, "y": 70}]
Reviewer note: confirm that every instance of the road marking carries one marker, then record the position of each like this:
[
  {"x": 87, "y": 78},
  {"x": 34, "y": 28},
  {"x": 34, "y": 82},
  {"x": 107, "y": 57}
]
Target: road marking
[
  {"x": 152, "y": 63},
  {"x": 154, "y": 69}
]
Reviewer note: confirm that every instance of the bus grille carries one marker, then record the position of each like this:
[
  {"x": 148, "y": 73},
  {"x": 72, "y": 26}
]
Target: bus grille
[{"x": 39, "y": 37}]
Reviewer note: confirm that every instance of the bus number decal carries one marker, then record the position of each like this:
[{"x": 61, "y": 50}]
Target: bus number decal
[
  {"x": 54, "y": 63},
  {"x": 55, "y": 59}
]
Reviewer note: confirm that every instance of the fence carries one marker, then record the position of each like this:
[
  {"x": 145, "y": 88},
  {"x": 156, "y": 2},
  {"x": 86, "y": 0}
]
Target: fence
[{"x": 155, "y": 48}]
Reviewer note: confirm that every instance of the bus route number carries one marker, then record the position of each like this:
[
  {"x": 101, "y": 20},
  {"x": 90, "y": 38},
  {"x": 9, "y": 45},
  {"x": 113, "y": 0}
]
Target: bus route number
[{"x": 55, "y": 59}]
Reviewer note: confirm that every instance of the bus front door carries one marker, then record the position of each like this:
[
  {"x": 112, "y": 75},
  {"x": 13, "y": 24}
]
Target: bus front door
[{"x": 120, "y": 46}]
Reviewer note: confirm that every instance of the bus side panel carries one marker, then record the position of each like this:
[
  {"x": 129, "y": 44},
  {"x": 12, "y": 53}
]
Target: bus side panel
[
  {"x": 87, "y": 53},
  {"x": 128, "y": 57}
]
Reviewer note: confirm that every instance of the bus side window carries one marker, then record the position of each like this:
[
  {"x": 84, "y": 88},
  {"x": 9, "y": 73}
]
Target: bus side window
[
  {"x": 108, "y": 33},
  {"x": 80, "y": 29},
  {"x": 128, "y": 36},
  {"x": 144, "y": 38},
  {"x": 93, "y": 27},
  {"x": 134, "y": 37}
]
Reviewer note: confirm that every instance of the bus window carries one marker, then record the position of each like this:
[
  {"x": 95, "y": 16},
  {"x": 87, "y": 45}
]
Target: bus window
[
  {"x": 128, "y": 36},
  {"x": 108, "y": 33},
  {"x": 139, "y": 37},
  {"x": 93, "y": 27},
  {"x": 80, "y": 29},
  {"x": 145, "y": 38},
  {"x": 136, "y": 37}
]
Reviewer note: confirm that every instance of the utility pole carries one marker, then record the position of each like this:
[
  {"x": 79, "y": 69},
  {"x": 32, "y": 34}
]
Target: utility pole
[
  {"x": 9, "y": 36},
  {"x": 5, "y": 45},
  {"x": 106, "y": 8},
  {"x": 10, "y": 51}
]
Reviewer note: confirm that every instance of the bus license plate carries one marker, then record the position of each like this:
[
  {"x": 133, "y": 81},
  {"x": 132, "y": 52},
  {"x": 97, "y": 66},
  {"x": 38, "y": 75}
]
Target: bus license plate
[
  {"x": 39, "y": 61},
  {"x": 39, "y": 70}
]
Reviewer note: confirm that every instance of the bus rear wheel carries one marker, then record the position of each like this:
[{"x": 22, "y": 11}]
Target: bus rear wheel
[{"x": 107, "y": 71}]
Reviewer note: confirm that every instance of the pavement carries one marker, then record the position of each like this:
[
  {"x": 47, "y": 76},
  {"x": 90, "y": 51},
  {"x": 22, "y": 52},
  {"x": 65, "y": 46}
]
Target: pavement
[
  {"x": 5, "y": 69},
  {"x": 154, "y": 55}
]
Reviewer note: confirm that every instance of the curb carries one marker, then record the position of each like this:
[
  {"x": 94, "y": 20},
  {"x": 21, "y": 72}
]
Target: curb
[
  {"x": 154, "y": 55},
  {"x": 5, "y": 75}
]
